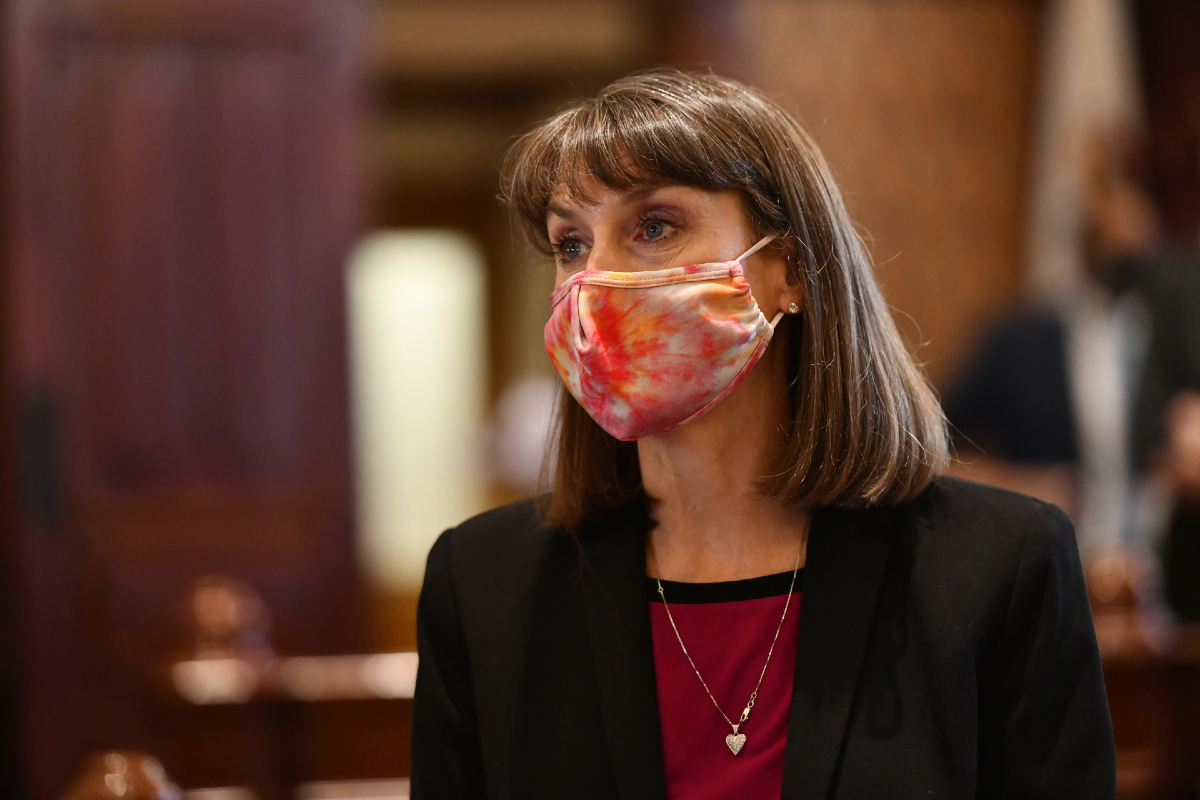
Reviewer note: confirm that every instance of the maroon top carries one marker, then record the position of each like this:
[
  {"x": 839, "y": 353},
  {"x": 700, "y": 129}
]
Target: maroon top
[{"x": 727, "y": 628}]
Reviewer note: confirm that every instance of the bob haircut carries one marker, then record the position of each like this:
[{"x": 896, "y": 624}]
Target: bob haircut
[{"x": 867, "y": 427}]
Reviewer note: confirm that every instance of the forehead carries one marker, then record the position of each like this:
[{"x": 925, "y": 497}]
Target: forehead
[
  {"x": 592, "y": 196},
  {"x": 579, "y": 184}
]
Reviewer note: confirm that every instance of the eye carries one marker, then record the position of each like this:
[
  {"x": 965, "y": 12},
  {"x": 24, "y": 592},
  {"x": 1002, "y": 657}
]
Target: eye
[
  {"x": 568, "y": 249},
  {"x": 653, "y": 228}
]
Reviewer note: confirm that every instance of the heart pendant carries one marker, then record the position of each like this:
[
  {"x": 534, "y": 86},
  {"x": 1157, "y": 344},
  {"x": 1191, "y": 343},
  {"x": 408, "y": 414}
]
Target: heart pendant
[{"x": 736, "y": 742}]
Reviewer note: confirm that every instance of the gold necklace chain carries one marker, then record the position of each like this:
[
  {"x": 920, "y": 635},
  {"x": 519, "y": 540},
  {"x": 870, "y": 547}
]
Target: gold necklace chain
[{"x": 734, "y": 741}]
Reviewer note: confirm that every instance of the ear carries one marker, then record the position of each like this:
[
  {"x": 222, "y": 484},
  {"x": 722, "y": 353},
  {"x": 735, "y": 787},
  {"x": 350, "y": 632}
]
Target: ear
[{"x": 789, "y": 289}]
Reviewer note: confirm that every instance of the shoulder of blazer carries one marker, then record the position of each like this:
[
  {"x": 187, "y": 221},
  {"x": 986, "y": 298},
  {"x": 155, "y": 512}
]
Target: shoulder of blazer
[
  {"x": 496, "y": 558},
  {"x": 495, "y": 539},
  {"x": 501, "y": 521},
  {"x": 984, "y": 551},
  {"x": 956, "y": 507}
]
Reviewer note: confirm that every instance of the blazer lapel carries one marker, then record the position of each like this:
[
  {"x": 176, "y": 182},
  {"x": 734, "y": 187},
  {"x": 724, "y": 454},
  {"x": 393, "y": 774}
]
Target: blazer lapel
[
  {"x": 842, "y": 573},
  {"x": 613, "y": 587}
]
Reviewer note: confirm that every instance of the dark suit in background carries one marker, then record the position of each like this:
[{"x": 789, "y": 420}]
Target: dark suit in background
[
  {"x": 1014, "y": 398},
  {"x": 1172, "y": 290}
]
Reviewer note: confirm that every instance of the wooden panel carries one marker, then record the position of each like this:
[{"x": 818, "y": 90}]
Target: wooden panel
[
  {"x": 1168, "y": 33},
  {"x": 187, "y": 263},
  {"x": 224, "y": 23},
  {"x": 185, "y": 174},
  {"x": 922, "y": 108},
  {"x": 432, "y": 40}
]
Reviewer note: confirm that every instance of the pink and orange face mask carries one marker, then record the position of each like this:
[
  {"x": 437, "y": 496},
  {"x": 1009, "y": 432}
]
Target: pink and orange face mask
[{"x": 646, "y": 352}]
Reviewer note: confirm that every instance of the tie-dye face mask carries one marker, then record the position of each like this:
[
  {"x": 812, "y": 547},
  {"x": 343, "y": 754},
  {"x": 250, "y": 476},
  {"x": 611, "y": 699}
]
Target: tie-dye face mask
[{"x": 646, "y": 352}]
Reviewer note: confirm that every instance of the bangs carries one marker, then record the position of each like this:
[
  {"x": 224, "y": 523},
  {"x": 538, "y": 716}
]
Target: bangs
[{"x": 621, "y": 141}]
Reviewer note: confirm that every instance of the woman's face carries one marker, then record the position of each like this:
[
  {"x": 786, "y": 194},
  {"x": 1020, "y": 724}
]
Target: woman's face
[{"x": 658, "y": 228}]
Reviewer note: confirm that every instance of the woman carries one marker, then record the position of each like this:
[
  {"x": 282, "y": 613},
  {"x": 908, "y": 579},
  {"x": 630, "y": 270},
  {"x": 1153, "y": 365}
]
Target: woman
[{"x": 748, "y": 579}]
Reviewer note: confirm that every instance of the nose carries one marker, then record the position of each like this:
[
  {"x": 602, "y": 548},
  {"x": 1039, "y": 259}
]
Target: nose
[
  {"x": 604, "y": 256},
  {"x": 608, "y": 254}
]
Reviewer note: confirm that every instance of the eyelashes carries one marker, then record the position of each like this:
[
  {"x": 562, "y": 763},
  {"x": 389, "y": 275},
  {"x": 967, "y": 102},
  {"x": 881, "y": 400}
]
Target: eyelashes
[
  {"x": 560, "y": 247},
  {"x": 656, "y": 218}
]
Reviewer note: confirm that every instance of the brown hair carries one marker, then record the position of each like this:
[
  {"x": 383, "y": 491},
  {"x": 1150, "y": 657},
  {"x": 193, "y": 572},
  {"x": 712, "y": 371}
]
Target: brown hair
[{"x": 867, "y": 426}]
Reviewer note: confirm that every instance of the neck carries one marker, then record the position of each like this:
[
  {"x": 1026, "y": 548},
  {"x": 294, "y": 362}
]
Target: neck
[{"x": 713, "y": 521}]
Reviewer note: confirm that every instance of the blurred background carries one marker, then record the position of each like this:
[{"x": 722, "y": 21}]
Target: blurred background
[{"x": 266, "y": 332}]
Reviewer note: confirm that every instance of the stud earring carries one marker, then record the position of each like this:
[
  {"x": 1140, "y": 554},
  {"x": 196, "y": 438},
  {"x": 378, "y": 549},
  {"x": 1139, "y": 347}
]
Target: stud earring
[{"x": 793, "y": 308}]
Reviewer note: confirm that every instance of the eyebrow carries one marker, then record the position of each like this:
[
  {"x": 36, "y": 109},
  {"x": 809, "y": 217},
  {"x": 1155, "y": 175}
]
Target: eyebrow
[{"x": 627, "y": 200}]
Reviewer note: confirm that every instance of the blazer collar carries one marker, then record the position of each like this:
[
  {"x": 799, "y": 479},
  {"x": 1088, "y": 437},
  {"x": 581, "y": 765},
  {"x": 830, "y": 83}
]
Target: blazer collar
[
  {"x": 613, "y": 585},
  {"x": 844, "y": 566},
  {"x": 842, "y": 573}
]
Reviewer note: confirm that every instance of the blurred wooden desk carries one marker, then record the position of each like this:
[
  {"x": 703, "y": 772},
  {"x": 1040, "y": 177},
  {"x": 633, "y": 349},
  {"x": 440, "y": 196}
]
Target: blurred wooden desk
[
  {"x": 278, "y": 723},
  {"x": 1152, "y": 672}
]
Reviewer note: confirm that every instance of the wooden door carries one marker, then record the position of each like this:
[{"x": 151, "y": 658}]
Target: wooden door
[{"x": 182, "y": 191}]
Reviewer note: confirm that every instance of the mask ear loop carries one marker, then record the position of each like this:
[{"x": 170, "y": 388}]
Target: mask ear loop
[{"x": 759, "y": 245}]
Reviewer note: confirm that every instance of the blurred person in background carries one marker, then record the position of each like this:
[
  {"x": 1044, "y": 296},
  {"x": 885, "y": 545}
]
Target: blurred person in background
[
  {"x": 1095, "y": 403},
  {"x": 1178, "y": 459},
  {"x": 748, "y": 578},
  {"x": 1046, "y": 404},
  {"x": 1167, "y": 423}
]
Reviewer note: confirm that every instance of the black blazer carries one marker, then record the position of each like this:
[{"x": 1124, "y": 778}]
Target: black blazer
[{"x": 946, "y": 650}]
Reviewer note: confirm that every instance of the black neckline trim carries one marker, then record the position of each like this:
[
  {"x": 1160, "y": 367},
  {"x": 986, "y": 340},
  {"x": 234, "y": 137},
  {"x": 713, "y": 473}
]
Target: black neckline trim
[{"x": 725, "y": 591}]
